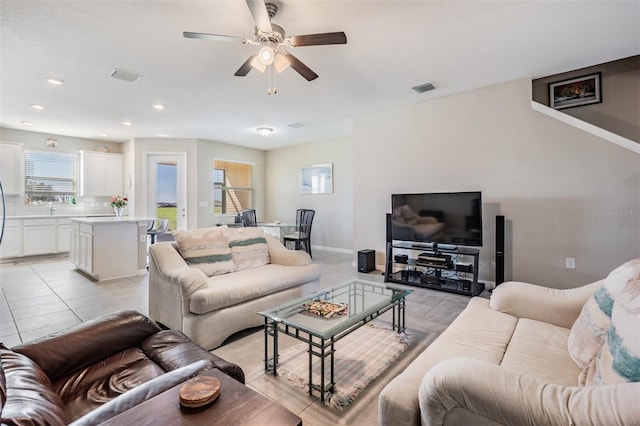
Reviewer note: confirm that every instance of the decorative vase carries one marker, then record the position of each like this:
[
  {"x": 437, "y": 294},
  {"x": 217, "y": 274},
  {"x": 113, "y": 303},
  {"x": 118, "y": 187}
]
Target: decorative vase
[{"x": 119, "y": 211}]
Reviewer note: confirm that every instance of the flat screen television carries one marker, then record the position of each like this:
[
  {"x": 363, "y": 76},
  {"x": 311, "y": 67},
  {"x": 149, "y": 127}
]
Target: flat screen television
[{"x": 440, "y": 218}]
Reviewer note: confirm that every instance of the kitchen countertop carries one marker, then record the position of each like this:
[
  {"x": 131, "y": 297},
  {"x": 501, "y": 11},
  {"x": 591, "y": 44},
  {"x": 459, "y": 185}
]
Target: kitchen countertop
[
  {"x": 61, "y": 216},
  {"x": 112, "y": 219}
]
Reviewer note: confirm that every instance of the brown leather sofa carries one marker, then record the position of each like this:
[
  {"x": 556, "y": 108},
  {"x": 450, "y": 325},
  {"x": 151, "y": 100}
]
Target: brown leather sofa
[{"x": 94, "y": 371}]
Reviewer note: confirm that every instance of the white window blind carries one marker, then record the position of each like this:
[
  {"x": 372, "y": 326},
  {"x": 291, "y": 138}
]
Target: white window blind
[
  {"x": 231, "y": 187},
  {"x": 49, "y": 176}
]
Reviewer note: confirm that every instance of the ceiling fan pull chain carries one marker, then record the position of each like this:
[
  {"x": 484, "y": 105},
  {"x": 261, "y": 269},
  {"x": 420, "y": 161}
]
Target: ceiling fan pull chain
[
  {"x": 269, "y": 80},
  {"x": 275, "y": 83}
]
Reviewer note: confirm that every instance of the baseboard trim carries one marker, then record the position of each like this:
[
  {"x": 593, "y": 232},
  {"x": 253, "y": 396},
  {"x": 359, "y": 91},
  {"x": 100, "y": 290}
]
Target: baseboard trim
[{"x": 333, "y": 249}]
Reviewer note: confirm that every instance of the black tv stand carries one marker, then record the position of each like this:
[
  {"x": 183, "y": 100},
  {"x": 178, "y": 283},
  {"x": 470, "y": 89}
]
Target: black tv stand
[{"x": 447, "y": 268}]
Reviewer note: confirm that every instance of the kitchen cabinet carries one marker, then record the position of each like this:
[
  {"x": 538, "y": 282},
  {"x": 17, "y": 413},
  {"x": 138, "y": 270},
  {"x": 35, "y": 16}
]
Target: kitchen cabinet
[
  {"x": 11, "y": 167},
  {"x": 39, "y": 236},
  {"x": 64, "y": 236},
  {"x": 12, "y": 239},
  {"x": 107, "y": 248},
  {"x": 100, "y": 174}
]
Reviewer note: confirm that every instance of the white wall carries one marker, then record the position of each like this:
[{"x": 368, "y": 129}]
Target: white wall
[
  {"x": 139, "y": 147},
  {"x": 333, "y": 222},
  {"x": 565, "y": 193},
  {"x": 66, "y": 144}
]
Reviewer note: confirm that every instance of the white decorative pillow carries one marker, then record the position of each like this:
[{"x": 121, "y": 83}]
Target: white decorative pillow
[
  {"x": 248, "y": 248},
  {"x": 206, "y": 249},
  {"x": 589, "y": 332},
  {"x": 619, "y": 359}
]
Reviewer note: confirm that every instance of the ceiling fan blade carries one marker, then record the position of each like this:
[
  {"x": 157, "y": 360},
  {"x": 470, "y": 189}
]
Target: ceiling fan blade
[
  {"x": 319, "y": 39},
  {"x": 301, "y": 68},
  {"x": 246, "y": 67},
  {"x": 260, "y": 15},
  {"x": 216, "y": 37}
]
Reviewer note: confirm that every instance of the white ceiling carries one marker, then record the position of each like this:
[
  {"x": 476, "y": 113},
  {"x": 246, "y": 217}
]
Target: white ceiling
[{"x": 392, "y": 46}]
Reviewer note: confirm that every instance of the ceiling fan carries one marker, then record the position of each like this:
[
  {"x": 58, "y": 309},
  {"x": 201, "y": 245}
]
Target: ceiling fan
[{"x": 271, "y": 37}]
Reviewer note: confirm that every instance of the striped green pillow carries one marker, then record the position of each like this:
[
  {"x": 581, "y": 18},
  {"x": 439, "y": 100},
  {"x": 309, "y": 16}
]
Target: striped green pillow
[
  {"x": 206, "y": 249},
  {"x": 248, "y": 248},
  {"x": 589, "y": 332},
  {"x": 619, "y": 359}
]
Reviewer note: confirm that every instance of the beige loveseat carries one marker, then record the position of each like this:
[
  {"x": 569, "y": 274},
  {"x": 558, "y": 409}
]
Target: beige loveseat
[
  {"x": 247, "y": 271},
  {"x": 530, "y": 355}
]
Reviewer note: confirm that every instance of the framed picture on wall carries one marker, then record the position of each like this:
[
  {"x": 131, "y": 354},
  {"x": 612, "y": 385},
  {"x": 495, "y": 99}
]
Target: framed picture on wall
[
  {"x": 575, "y": 92},
  {"x": 317, "y": 179}
]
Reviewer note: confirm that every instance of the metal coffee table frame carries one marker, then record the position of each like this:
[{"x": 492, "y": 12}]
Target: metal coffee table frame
[{"x": 322, "y": 345}]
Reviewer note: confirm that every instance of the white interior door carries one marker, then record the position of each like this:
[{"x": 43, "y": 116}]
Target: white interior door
[{"x": 166, "y": 191}]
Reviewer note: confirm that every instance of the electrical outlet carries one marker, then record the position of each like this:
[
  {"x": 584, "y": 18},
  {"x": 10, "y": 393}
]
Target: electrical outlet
[{"x": 570, "y": 263}]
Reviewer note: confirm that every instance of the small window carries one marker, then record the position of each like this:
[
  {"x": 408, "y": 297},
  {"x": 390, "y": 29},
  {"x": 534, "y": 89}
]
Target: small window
[
  {"x": 231, "y": 187},
  {"x": 49, "y": 177}
]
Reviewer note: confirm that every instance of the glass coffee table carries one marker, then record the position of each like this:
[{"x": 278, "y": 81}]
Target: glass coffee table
[{"x": 324, "y": 317}]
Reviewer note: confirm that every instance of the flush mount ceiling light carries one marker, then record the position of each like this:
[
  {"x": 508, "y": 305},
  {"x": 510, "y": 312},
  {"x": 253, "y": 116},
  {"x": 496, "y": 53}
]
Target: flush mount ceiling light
[
  {"x": 264, "y": 131},
  {"x": 158, "y": 106},
  {"x": 36, "y": 106},
  {"x": 55, "y": 81}
]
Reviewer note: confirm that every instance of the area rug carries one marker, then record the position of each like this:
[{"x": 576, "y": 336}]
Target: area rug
[{"x": 359, "y": 359}]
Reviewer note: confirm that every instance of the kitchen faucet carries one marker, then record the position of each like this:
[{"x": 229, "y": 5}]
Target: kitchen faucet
[{"x": 52, "y": 209}]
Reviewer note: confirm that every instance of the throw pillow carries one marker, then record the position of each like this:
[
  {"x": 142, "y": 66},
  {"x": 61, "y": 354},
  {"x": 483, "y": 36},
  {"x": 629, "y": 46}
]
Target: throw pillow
[
  {"x": 619, "y": 359},
  {"x": 589, "y": 332},
  {"x": 206, "y": 249},
  {"x": 248, "y": 248}
]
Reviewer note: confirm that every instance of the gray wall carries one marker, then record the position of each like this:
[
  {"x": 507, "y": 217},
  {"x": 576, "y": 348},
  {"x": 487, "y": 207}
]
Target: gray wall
[
  {"x": 564, "y": 192},
  {"x": 619, "y": 111},
  {"x": 333, "y": 222},
  {"x": 208, "y": 151}
]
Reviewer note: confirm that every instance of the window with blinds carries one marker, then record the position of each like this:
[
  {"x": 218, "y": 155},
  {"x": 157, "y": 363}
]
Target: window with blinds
[
  {"x": 49, "y": 176},
  {"x": 231, "y": 187}
]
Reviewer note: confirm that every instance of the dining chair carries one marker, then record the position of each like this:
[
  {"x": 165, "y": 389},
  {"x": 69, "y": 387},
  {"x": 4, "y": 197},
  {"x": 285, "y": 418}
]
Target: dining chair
[
  {"x": 302, "y": 235},
  {"x": 160, "y": 226},
  {"x": 249, "y": 217}
]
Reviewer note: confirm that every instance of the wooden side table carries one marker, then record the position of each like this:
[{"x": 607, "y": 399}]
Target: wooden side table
[{"x": 237, "y": 405}]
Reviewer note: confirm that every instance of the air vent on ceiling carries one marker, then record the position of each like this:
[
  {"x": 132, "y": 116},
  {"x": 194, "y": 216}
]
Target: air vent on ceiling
[
  {"x": 424, "y": 87},
  {"x": 125, "y": 75}
]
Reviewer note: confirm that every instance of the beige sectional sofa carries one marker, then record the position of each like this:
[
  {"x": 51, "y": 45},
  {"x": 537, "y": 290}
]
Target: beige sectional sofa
[
  {"x": 247, "y": 271},
  {"x": 530, "y": 355}
]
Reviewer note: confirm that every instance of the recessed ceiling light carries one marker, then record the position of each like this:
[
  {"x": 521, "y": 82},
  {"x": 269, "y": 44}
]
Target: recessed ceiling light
[
  {"x": 55, "y": 81},
  {"x": 162, "y": 135},
  {"x": 127, "y": 123},
  {"x": 106, "y": 135},
  {"x": 158, "y": 106},
  {"x": 27, "y": 123},
  {"x": 36, "y": 106},
  {"x": 264, "y": 131}
]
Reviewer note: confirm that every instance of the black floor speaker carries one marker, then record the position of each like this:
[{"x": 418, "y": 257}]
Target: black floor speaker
[
  {"x": 499, "y": 250},
  {"x": 366, "y": 260}
]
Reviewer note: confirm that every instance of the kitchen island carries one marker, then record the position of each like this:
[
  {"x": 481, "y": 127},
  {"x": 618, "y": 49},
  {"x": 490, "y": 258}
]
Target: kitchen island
[{"x": 107, "y": 248}]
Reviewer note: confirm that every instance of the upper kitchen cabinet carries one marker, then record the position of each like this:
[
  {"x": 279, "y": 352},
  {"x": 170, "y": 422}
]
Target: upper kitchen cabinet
[
  {"x": 10, "y": 167},
  {"x": 100, "y": 174}
]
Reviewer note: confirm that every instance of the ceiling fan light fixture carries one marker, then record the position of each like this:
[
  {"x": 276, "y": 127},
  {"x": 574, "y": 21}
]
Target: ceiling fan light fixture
[
  {"x": 281, "y": 62},
  {"x": 266, "y": 55},
  {"x": 257, "y": 65},
  {"x": 264, "y": 131}
]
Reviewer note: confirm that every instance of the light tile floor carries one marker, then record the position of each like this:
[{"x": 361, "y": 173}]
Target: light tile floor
[{"x": 42, "y": 296}]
